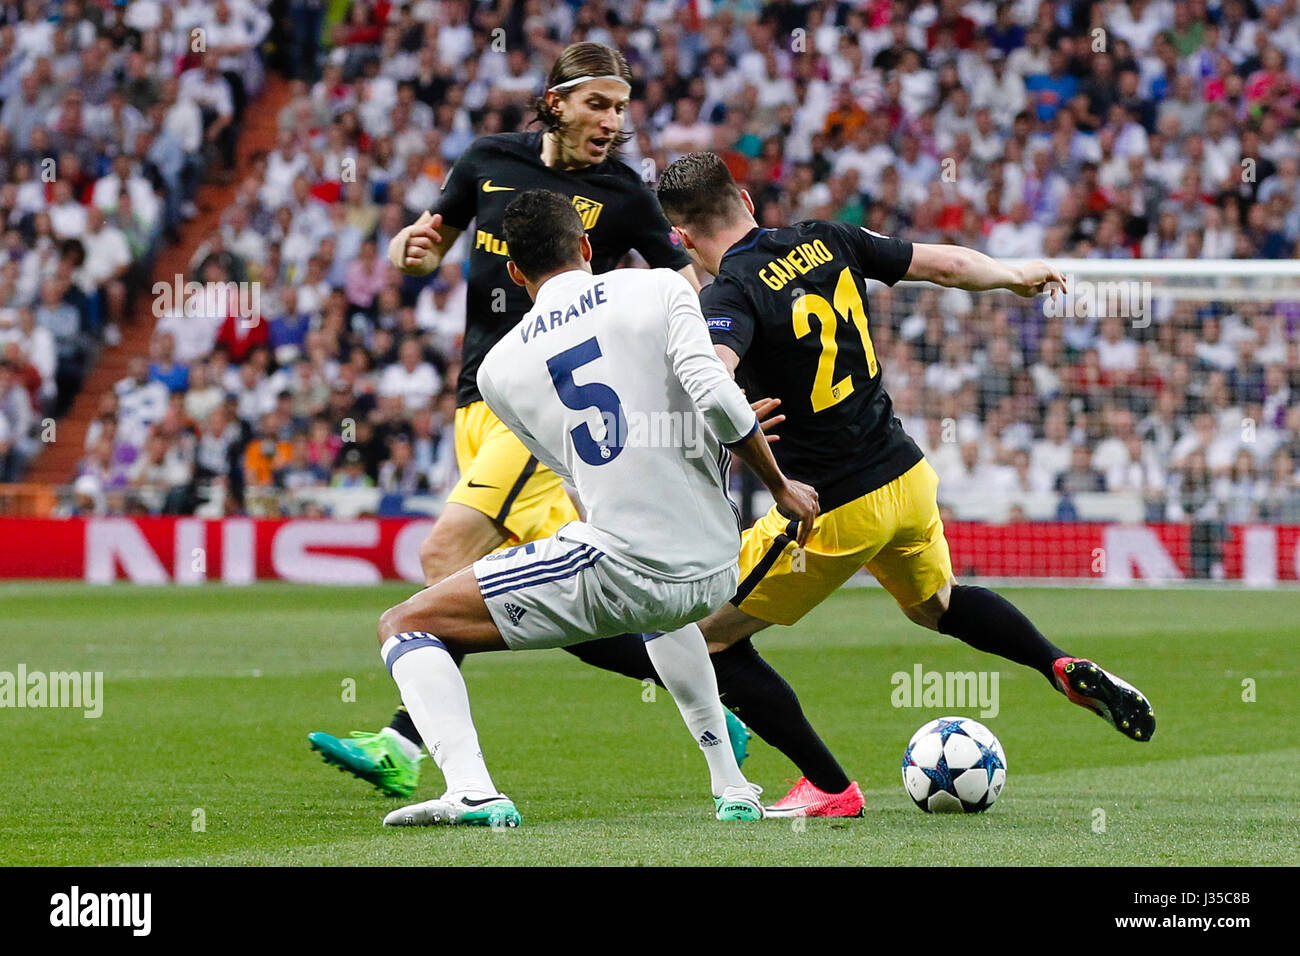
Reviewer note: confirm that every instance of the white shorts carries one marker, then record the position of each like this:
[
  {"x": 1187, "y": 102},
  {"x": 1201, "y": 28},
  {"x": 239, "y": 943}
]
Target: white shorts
[{"x": 556, "y": 591}]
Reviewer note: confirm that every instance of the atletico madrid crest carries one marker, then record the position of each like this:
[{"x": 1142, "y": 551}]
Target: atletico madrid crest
[{"x": 588, "y": 210}]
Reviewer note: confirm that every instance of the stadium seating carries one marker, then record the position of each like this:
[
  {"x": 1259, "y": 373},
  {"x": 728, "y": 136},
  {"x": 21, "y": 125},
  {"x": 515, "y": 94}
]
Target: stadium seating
[{"x": 1080, "y": 130}]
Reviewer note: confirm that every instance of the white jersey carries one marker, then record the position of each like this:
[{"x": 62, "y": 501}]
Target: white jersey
[{"x": 608, "y": 380}]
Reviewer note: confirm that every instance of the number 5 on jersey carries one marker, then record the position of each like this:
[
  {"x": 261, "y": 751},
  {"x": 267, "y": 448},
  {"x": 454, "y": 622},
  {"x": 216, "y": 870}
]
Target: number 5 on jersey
[{"x": 582, "y": 397}]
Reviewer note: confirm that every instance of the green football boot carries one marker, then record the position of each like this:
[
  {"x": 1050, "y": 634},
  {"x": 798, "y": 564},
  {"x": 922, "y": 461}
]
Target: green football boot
[
  {"x": 739, "y": 736},
  {"x": 377, "y": 759},
  {"x": 739, "y": 803}
]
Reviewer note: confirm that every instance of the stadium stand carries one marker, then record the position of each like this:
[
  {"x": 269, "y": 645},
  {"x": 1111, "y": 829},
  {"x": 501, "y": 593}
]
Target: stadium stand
[
  {"x": 105, "y": 139},
  {"x": 1086, "y": 131}
]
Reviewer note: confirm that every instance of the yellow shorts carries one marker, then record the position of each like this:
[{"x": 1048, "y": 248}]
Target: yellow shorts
[
  {"x": 894, "y": 531},
  {"x": 500, "y": 478}
]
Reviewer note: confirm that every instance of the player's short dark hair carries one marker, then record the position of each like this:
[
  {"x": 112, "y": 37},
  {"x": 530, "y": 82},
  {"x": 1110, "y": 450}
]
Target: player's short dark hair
[
  {"x": 543, "y": 232},
  {"x": 582, "y": 59},
  {"x": 697, "y": 191}
]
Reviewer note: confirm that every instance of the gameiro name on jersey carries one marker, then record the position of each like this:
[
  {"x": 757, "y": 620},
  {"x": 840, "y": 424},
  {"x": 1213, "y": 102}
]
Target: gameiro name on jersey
[
  {"x": 618, "y": 211},
  {"x": 790, "y": 303},
  {"x": 593, "y": 353}
]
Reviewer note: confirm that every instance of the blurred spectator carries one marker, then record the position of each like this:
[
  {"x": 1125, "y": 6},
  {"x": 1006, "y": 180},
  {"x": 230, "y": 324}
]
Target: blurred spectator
[
  {"x": 412, "y": 378},
  {"x": 401, "y": 473},
  {"x": 161, "y": 475},
  {"x": 16, "y": 420},
  {"x": 265, "y": 454},
  {"x": 1080, "y": 477},
  {"x": 162, "y": 368},
  {"x": 350, "y": 471},
  {"x": 300, "y": 471}
]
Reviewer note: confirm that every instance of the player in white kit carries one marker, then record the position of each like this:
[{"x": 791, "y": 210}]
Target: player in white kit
[{"x": 605, "y": 381}]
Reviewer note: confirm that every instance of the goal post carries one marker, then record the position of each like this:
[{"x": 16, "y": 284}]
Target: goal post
[{"x": 1142, "y": 427}]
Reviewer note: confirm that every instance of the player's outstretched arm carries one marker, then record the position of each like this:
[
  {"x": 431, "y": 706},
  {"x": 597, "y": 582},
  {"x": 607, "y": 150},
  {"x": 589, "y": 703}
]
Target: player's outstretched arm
[
  {"x": 959, "y": 267},
  {"x": 418, "y": 249}
]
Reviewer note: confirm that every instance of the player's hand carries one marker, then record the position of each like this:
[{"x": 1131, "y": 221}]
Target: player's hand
[
  {"x": 763, "y": 408},
  {"x": 799, "y": 501},
  {"x": 1037, "y": 277},
  {"x": 414, "y": 249}
]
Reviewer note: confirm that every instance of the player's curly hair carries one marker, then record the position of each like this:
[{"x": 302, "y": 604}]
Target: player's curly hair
[
  {"x": 582, "y": 59},
  {"x": 697, "y": 191}
]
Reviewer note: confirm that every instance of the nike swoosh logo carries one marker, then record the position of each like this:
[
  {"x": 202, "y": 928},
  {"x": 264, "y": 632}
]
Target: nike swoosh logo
[
  {"x": 477, "y": 803},
  {"x": 489, "y": 188},
  {"x": 474, "y": 484}
]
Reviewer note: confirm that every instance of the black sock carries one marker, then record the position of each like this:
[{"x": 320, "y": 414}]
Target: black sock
[
  {"x": 989, "y": 622},
  {"x": 760, "y": 697},
  {"x": 749, "y": 686},
  {"x": 624, "y": 654},
  {"x": 404, "y": 725}
]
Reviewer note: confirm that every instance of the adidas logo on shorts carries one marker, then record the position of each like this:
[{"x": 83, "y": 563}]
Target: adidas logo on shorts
[{"x": 516, "y": 613}]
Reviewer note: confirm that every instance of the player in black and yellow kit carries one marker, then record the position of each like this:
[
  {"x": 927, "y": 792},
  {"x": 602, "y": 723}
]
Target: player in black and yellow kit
[
  {"x": 504, "y": 495},
  {"x": 787, "y": 313}
]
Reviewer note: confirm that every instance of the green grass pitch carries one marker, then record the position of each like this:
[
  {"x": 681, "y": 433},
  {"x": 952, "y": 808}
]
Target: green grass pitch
[{"x": 200, "y": 756}]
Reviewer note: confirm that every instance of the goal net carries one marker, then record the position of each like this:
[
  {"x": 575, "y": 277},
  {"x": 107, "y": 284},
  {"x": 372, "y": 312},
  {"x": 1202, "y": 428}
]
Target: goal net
[{"x": 1142, "y": 427}]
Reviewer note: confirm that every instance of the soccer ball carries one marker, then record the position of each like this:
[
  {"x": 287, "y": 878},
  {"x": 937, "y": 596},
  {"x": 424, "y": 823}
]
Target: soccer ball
[{"x": 954, "y": 765}]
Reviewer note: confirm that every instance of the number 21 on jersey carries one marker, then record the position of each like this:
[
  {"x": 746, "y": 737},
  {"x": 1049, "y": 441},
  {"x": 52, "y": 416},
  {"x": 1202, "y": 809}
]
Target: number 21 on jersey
[{"x": 849, "y": 306}]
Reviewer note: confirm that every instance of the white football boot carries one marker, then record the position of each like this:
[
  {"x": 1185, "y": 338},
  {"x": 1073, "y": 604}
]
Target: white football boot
[{"x": 464, "y": 810}]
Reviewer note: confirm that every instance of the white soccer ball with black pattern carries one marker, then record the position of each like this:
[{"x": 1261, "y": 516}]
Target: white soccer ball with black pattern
[{"x": 954, "y": 765}]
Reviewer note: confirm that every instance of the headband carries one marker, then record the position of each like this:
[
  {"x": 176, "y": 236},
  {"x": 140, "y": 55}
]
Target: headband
[{"x": 570, "y": 84}]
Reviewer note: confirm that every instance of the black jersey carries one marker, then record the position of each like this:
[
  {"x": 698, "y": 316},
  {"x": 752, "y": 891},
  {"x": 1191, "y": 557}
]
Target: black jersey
[
  {"x": 618, "y": 211},
  {"x": 790, "y": 303}
]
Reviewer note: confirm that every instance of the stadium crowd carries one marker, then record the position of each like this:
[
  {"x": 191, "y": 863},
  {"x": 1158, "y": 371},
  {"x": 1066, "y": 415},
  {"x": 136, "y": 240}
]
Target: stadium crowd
[
  {"x": 112, "y": 115},
  {"x": 1025, "y": 129}
]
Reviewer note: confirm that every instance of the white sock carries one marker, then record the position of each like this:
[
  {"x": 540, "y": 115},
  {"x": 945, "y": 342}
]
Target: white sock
[
  {"x": 434, "y": 694},
  {"x": 681, "y": 659},
  {"x": 404, "y": 743}
]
